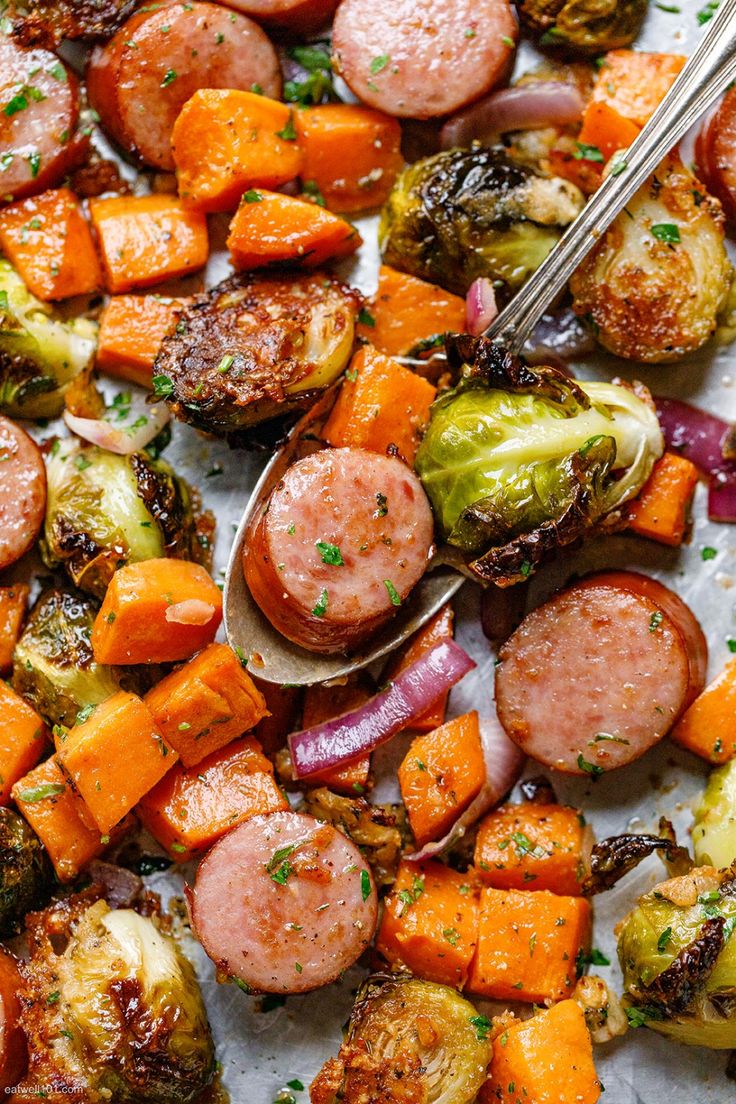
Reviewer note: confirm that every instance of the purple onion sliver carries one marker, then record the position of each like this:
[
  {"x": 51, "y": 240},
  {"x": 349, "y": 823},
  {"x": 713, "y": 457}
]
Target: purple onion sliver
[
  {"x": 722, "y": 498},
  {"x": 480, "y": 306},
  {"x": 694, "y": 433},
  {"x": 413, "y": 691},
  {"x": 523, "y": 107}
]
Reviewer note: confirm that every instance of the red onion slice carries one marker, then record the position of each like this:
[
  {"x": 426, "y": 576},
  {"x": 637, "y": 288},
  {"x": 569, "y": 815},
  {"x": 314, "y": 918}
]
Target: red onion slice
[
  {"x": 694, "y": 433},
  {"x": 125, "y": 429},
  {"x": 480, "y": 306},
  {"x": 414, "y": 691},
  {"x": 504, "y": 764},
  {"x": 524, "y": 107},
  {"x": 722, "y": 498}
]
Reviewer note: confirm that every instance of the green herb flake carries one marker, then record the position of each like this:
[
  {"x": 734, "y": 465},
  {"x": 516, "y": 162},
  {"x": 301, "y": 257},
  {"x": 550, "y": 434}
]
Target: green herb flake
[
  {"x": 589, "y": 768},
  {"x": 169, "y": 77},
  {"x": 365, "y": 884},
  {"x": 321, "y": 608},
  {"x": 482, "y": 1027},
  {"x": 392, "y": 592},
  {"x": 587, "y": 153},
  {"x": 708, "y": 553},
  {"x": 288, "y": 134},
  {"x": 58, "y": 72},
  {"x": 330, "y": 554},
  {"x": 379, "y": 63},
  {"x": 666, "y": 232},
  {"x": 366, "y": 318},
  {"x": 508, "y": 41},
  {"x": 162, "y": 387},
  {"x": 451, "y": 935},
  {"x": 655, "y": 621},
  {"x": 664, "y": 939},
  {"x": 41, "y": 793},
  {"x": 252, "y": 196}
]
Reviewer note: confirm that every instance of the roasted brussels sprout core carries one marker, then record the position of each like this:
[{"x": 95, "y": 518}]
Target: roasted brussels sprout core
[
  {"x": 119, "y": 1009},
  {"x": 518, "y": 462},
  {"x": 714, "y": 830},
  {"x": 407, "y": 1040},
  {"x": 604, "y": 1013},
  {"x": 467, "y": 213},
  {"x": 652, "y": 288},
  {"x": 582, "y": 26},
  {"x": 53, "y": 665},
  {"x": 40, "y": 353},
  {"x": 25, "y": 873},
  {"x": 105, "y": 510},
  {"x": 256, "y": 348},
  {"x": 678, "y": 958}
]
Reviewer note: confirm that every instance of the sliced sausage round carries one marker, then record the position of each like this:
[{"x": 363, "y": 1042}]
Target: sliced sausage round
[
  {"x": 284, "y": 903},
  {"x": 39, "y": 112},
  {"x": 594, "y": 677},
  {"x": 23, "y": 493},
  {"x": 298, "y": 16},
  {"x": 139, "y": 82},
  {"x": 679, "y": 614},
  {"x": 419, "y": 58},
  {"x": 344, "y": 538},
  {"x": 13, "y": 1050},
  {"x": 716, "y": 153}
]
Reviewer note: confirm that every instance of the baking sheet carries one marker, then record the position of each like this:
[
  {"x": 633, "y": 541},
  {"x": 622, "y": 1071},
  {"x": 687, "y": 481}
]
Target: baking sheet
[{"x": 260, "y": 1051}]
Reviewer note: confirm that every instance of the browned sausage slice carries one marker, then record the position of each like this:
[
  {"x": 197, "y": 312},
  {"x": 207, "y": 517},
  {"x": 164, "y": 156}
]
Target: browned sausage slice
[
  {"x": 39, "y": 111},
  {"x": 423, "y": 58},
  {"x": 298, "y": 16},
  {"x": 13, "y": 1051},
  {"x": 139, "y": 82},
  {"x": 346, "y": 536},
  {"x": 284, "y": 903},
  {"x": 22, "y": 492},
  {"x": 593, "y": 678},
  {"x": 716, "y": 153},
  {"x": 681, "y": 616}
]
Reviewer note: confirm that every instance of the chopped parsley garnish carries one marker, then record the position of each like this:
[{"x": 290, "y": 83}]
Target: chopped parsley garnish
[
  {"x": 330, "y": 554},
  {"x": 379, "y": 63},
  {"x": 252, "y": 196},
  {"x": 40, "y": 793},
  {"x": 365, "y": 884},
  {"x": 708, "y": 553},
  {"x": 382, "y": 505},
  {"x": 392, "y": 592},
  {"x": 366, "y": 318},
  {"x": 288, "y": 134},
  {"x": 321, "y": 608},
  {"x": 664, "y": 939},
  {"x": 590, "y": 768},
  {"x": 169, "y": 77},
  {"x": 587, "y": 153},
  {"x": 666, "y": 232},
  {"x": 162, "y": 387}
]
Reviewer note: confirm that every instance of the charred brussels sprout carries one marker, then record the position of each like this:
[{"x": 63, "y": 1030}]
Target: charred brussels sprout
[
  {"x": 678, "y": 958},
  {"x": 654, "y": 285},
  {"x": 467, "y": 213},
  {"x": 519, "y": 461},
  {"x": 714, "y": 830},
  {"x": 40, "y": 353},
  {"x": 127, "y": 1018},
  {"x": 53, "y": 665},
  {"x": 408, "y": 1040},
  {"x": 256, "y": 348},
  {"x": 105, "y": 510},
  {"x": 25, "y": 874},
  {"x": 582, "y": 26}
]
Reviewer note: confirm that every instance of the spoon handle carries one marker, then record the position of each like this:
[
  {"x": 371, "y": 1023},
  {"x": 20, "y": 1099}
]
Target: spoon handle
[{"x": 708, "y": 71}]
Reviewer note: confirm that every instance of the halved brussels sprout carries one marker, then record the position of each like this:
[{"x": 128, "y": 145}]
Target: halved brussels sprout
[
  {"x": 654, "y": 285},
  {"x": 256, "y": 347},
  {"x": 53, "y": 665},
  {"x": 678, "y": 958},
  {"x": 408, "y": 1040},
  {"x": 583, "y": 26},
  {"x": 105, "y": 510},
  {"x": 40, "y": 353},
  {"x": 25, "y": 873},
  {"x": 714, "y": 830},
  {"x": 126, "y": 1015},
  {"x": 462, "y": 214},
  {"x": 518, "y": 461}
]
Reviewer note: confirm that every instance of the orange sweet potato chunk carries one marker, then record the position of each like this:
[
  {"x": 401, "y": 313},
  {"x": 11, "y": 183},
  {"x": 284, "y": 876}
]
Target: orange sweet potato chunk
[
  {"x": 430, "y": 922},
  {"x": 23, "y": 737},
  {"x": 440, "y": 775},
  {"x": 528, "y": 944},
  {"x": 114, "y": 757},
  {"x": 132, "y": 328},
  {"x": 205, "y": 704},
  {"x": 530, "y": 846},
  {"x": 406, "y": 310},
  {"x": 707, "y": 727},
  {"x": 190, "y": 809},
  {"x": 13, "y": 601}
]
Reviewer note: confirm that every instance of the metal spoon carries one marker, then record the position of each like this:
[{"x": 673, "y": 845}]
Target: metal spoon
[{"x": 270, "y": 655}]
